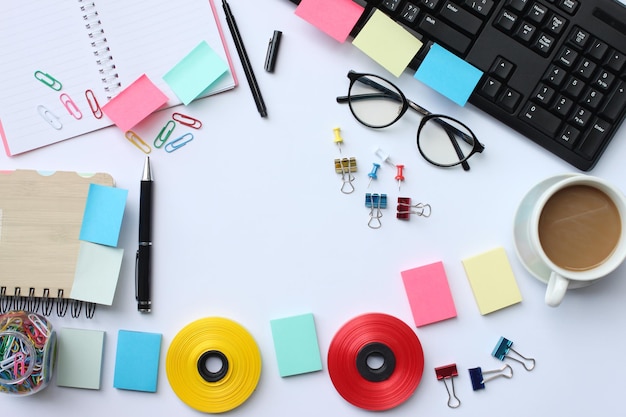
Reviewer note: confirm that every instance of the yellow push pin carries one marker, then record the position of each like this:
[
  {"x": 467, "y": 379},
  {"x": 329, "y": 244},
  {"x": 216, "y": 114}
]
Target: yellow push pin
[{"x": 338, "y": 139}]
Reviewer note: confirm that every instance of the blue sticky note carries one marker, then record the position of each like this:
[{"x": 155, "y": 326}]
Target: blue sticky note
[
  {"x": 137, "y": 361},
  {"x": 296, "y": 346},
  {"x": 103, "y": 215},
  {"x": 195, "y": 73},
  {"x": 448, "y": 74}
]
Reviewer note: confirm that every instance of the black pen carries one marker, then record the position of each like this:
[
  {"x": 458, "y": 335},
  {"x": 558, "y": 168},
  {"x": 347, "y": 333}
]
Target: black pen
[
  {"x": 245, "y": 61},
  {"x": 144, "y": 253}
]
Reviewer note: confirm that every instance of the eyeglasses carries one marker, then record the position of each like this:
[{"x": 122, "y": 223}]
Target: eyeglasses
[{"x": 441, "y": 140}]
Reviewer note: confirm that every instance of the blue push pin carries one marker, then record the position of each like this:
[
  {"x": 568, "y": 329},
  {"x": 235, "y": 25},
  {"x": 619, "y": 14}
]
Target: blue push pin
[
  {"x": 501, "y": 352},
  {"x": 373, "y": 173},
  {"x": 478, "y": 379}
]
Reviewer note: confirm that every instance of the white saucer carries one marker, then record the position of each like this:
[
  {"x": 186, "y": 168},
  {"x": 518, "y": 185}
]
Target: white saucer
[{"x": 531, "y": 262}]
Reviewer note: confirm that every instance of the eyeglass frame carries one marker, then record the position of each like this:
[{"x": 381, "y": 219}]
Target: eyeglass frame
[{"x": 477, "y": 147}]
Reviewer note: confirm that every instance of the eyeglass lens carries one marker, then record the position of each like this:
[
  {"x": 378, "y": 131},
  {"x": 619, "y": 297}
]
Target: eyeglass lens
[
  {"x": 444, "y": 141},
  {"x": 374, "y": 101}
]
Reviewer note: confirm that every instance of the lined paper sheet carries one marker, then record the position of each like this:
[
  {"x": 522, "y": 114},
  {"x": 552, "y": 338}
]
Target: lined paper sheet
[{"x": 53, "y": 38}]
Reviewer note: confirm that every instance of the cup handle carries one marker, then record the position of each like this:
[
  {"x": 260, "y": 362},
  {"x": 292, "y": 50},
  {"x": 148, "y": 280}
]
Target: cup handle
[{"x": 557, "y": 286}]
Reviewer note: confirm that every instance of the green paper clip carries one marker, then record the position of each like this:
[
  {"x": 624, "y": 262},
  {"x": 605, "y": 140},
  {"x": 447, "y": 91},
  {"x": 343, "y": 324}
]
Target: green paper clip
[
  {"x": 164, "y": 134},
  {"x": 48, "y": 80}
]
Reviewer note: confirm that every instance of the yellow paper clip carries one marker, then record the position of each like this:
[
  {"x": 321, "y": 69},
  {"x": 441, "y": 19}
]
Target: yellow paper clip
[
  {"x": 187, "y": 120},
  {"x": 178, "y": 143},
  {"x": 70, "y": 106},
  {"x": 164, "y": 134},
  {"x": 48, "y": 80},
  {"x": 93, "y": 104},
  {"x": 51, "y": 118},
  {"x": 138, "y": 142}
]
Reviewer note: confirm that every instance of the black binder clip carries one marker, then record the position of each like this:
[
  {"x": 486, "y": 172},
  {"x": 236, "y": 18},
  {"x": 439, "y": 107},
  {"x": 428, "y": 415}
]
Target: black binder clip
[
  {"x": 449, "y": 372},
  {"x": 345, "y": 167},
  {"x": 477, "y": 376},
  {"x": 375, "y": 202},
  {"x": 502, "y": 349}
]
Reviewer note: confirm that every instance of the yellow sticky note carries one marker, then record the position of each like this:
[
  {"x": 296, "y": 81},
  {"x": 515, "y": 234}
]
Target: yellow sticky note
[
  {"x": 387, "y": 43},
  {"x": 492, "y": 281}
]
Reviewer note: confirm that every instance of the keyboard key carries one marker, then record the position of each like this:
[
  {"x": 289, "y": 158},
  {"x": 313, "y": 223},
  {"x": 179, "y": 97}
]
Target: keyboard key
[
  {"x": 510, "y": 99},
  {"x": 586, "y": 68},
  {"x": 544, "y": 44},
  {"x": 517, "y": 5},
  {"x": 580, "y": 117},
  {"x": 491, "y": 88},
  {"x": 598, "y": 50},
  {"x": 544, "y": 94},
  {"x": 541, "y": 119},
  {"x": 430, "y": 4},
  {"x": 506, "y": 21},
  {"x": 579, "y": 37},
  {"x": 556, "y": 24},
  {"x": 410, "y": 12},
  {"x": 604, "y": 80},
  {"x": 537, "y": 13},
  {"x": 563, "y": 105},
  {"x": 592, "y": 99},
  {"x": 567, "y": 56},
  {"x": 461, "y": 18},
  {"x": 569, "y": 6},
  {"x": 555, "y": 75},
  {"x": 445, "y": 34},
  {"x": 525, "y": 32},
  {"x": 502, "y": 68},
  {"x": 616, "y": 61},
  {"x": 482, "y": 7},
  {"x": 391, "y": 4},
  {"x": 574, "y": 87},
  {"x": 597, "y": 134},
  {"x": 568, "y": 136},
  {"x": 615, "y": 103}
]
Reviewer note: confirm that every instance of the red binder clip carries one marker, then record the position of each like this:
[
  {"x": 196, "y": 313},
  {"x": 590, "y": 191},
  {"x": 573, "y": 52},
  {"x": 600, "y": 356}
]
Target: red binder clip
[
  {"x": 405, "y": 209},
  {"x": 449, "y": 372}
]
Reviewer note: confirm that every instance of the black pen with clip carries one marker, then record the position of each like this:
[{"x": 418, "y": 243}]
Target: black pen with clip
[{"x": 144, "y": 252}]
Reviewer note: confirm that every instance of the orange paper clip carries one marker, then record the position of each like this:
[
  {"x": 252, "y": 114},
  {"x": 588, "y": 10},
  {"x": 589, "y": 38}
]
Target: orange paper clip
[
  {"x": 48, "y": 80},
  {"x": 138, "y": 142},
  {"x": 93, "y": 104},
  {"x": 71, "y": 107},
  {"x": 187, "y": 120}
]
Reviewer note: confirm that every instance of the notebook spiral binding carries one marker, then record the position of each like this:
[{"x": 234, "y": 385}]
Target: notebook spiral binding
[
  {"x": 44, "y": 305},
  {"x": 101, "y": 50}
]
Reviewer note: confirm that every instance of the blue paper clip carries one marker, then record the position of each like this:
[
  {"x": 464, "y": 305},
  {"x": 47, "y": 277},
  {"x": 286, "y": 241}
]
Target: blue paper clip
[
  {"x": 501, "y": 352},
  {"x": 375, "y": 202},
  {"x": 449, "y": 372},
  {"x": 164, "y": 134},
  {"x": 178, "y": 143},
  {"x": 478, "y": 379}
]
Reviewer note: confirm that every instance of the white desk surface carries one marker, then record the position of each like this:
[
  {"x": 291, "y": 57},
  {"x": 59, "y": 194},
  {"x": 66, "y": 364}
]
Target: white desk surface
[{"x": 250, "y": 224}]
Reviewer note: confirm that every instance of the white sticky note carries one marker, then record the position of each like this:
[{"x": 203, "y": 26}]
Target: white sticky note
[
  {"x": 79, "y": 358},
  {"x": 97, "y": 273}
]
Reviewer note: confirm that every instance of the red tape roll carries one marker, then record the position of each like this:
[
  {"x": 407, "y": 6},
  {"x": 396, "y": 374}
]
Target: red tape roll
[{"x": 360, "y": 341}]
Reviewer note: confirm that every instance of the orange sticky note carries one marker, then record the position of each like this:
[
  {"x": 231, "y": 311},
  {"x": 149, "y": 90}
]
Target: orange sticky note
[
  {"x": 134, "y": 103},
  {"x": 336, "y": 18},
  {"x": 429, "y": 294}
]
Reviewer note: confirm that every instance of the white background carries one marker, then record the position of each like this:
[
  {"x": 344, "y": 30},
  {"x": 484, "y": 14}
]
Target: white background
[{"x": 249, "y": 224}]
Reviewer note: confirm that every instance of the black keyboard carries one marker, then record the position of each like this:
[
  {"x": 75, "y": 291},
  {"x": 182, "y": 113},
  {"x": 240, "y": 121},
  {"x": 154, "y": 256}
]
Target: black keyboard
[{"x": 554, "y": 70}]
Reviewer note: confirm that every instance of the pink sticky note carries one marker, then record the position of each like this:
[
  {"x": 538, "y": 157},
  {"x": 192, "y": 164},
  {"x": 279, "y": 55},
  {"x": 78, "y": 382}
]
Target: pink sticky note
[
  {"x": 429, "y": 294},
  {"x": 334, "y": 17},
  {"x": 134, "y": 103}
]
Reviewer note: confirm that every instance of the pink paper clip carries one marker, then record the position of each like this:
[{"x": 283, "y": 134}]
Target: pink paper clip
[
  {"x": 94, "y": 106},
  {"x": 449, "y": 372},
  {"x": 187, "y": 120},
  {"x": 70, "y": 106}
]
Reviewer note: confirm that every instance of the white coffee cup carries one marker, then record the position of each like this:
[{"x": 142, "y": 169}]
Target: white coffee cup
[{"x": 533, "y": 252}]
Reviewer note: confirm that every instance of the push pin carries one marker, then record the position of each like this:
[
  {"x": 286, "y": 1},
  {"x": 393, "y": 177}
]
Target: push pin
[
  {"x": 405, "y": 209},
  {"x": 373, "y": 173},
  {"x": 502, "y": 349},
  {"x": 338, "y": 139},
  {"x": 345, "y": 167},
  {"x": 399, "y": 175},
  {"x": 478, "y": 379},
  {"x": 384, "y": 156},
  {"x": 375, "y": 202},
  {"x": 449, "y": 372}
]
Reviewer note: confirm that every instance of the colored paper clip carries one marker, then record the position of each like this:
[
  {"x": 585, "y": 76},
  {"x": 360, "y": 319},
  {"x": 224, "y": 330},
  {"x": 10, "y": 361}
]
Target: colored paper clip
[
  {"x": 405, "y": 209},
  {"x": 338, "y": 139},
  {"x": 94, "y": 106},
  {"x": 178, "y": 143},
  {"x": 187, "y": 120},
  {"x": 48, "y": 80},
  {"x": 375, "y": 202},
  {"x": 345, "y": 167},
  {"x": 70, "y": 106},
  {"x": 478, "y": 379},
  {"x": 138, "y": 142},
  {"x": 164, "y": 134},
  {"x": 502, "y": 349},
  {"x": 449, "y": 372},
  {"x": 50, "y": 117}
]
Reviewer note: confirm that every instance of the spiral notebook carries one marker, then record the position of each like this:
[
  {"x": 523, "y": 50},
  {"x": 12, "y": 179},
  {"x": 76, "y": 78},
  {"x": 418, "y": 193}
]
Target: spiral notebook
[
  {"x": 63, "y": 59},
  {"x": 43, "y": 258}
]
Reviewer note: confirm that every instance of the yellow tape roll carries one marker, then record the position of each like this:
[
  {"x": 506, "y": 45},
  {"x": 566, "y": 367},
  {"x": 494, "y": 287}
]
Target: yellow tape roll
[{"x": 213, "y": 338}]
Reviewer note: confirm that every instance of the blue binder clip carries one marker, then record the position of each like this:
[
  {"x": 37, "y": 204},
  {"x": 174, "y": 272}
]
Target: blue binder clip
[
  {"x": 449, "y": 372},
  {"x": 478, "y": 379},
  {"x": 375, "y": 202},
  {"x": 502, "y": 350}
]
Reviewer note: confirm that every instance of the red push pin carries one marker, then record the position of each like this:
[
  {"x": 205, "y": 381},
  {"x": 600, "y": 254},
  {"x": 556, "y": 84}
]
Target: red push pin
[{"x": 399, "y": 175}]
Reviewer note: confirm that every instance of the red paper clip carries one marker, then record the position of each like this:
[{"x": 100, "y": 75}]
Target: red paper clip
[
  {"x": 93, "y": 104},
  {"x": 187, "y": 120}
]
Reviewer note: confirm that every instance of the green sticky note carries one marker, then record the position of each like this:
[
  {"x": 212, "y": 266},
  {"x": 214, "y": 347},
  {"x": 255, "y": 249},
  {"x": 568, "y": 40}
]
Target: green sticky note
[
  {"x": 378, "y": 34},
  {"x": 79, "y": 358},
  {"x": 195, "y": 73},
  {"x": 296, "y": 346},
  {"x": 137, "y": 361},
  {"x": 492, "y": 280}
]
